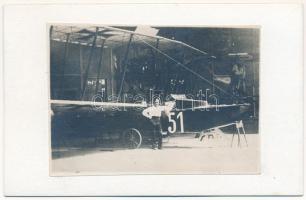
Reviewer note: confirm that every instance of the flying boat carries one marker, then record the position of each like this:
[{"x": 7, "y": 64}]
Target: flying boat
[{"x": 103, "y": 77}]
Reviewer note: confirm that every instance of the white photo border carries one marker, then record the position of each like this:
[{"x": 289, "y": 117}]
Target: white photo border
[{"x": 26, "y": 81}]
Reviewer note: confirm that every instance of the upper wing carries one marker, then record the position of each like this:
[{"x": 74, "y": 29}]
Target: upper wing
[{"x": 113, "y": 37}]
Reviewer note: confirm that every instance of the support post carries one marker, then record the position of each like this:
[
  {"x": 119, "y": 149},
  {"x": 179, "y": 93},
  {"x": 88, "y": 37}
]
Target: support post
[
  {"x": 81, "y": 66},
  {"x": 155, "y": 53},
  {"x": 232, "y": 139},
  {"x": 125, "y": 64},
  {"x": 213, "y": 78},
  {"x": 239, "y": 125},
  {"x": 112, "y": 71},
  {"x": 88, "y": 64},
  {"x": 254, "y": 77},
  {"x": 52, "y": 93},
  {"x": 155, "y": 63},
  {"x": 243, "y": 131},
  {"x": 61, "y": 86},
  {"x": 253, "y": 91},
  {"x": 50, "y": 32},
  {"x": 238, "y": 130}
]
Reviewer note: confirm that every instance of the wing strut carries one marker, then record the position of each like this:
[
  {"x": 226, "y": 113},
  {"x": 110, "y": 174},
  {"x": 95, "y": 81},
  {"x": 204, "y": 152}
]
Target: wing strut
[
  {"x": 89, "y": 62},
  {"x": 125, "y": 64},
  {"x": 100, "y": 66},
  {"x": 61, "y": 84},
  {"x": 155, "y": 63}
]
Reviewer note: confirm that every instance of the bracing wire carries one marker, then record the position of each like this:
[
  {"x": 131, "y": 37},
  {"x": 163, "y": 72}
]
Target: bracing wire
[{"x": 186, "y": 68}]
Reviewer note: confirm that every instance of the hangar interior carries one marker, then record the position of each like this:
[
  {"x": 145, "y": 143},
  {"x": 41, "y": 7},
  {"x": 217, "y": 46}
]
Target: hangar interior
[
  {"x": 117, "y": 65},
  {"x": 85, "y": 62}
]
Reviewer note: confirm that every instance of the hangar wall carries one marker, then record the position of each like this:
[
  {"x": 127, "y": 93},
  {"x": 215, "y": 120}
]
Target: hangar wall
[{"x": 72, "y": 61}]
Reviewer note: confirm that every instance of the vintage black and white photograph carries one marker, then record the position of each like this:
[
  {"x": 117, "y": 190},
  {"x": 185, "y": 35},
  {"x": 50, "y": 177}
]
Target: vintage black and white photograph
[{"x": 137, "y": 99}]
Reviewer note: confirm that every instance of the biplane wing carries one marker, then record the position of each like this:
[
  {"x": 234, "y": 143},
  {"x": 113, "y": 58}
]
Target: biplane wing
[
  {"x": 187, "y": 104},
  {"x": 65, "y": 105},
  {"x": 114, "y": 37},
  {"x": 122, "y": 40},
  {"x": 212, "y": 106}
]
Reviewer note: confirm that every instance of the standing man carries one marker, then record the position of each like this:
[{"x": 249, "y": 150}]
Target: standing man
[
  {"x": 238, "y": 79},
  {"x": 154, "y": 113}
]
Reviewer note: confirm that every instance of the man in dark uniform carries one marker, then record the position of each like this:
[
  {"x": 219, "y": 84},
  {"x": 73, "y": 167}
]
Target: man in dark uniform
[
  {"x": 238, "y": 79},
  {"x": 154, "y": 113}
]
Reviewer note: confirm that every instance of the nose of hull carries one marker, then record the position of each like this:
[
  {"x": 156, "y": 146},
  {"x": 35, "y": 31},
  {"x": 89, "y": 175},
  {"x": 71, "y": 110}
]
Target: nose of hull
[{"x": 243, "y": 110}]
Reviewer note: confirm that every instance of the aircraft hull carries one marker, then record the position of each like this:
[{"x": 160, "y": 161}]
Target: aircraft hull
[{"x": 69, "y": 124}]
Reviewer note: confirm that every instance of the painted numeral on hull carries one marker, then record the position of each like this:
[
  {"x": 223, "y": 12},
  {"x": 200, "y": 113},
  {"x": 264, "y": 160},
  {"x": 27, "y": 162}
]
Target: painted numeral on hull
[{"x": 173, "y": 126}]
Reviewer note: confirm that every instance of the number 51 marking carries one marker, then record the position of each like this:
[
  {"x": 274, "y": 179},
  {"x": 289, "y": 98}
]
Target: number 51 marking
[{"x": 172, "y": 127}]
